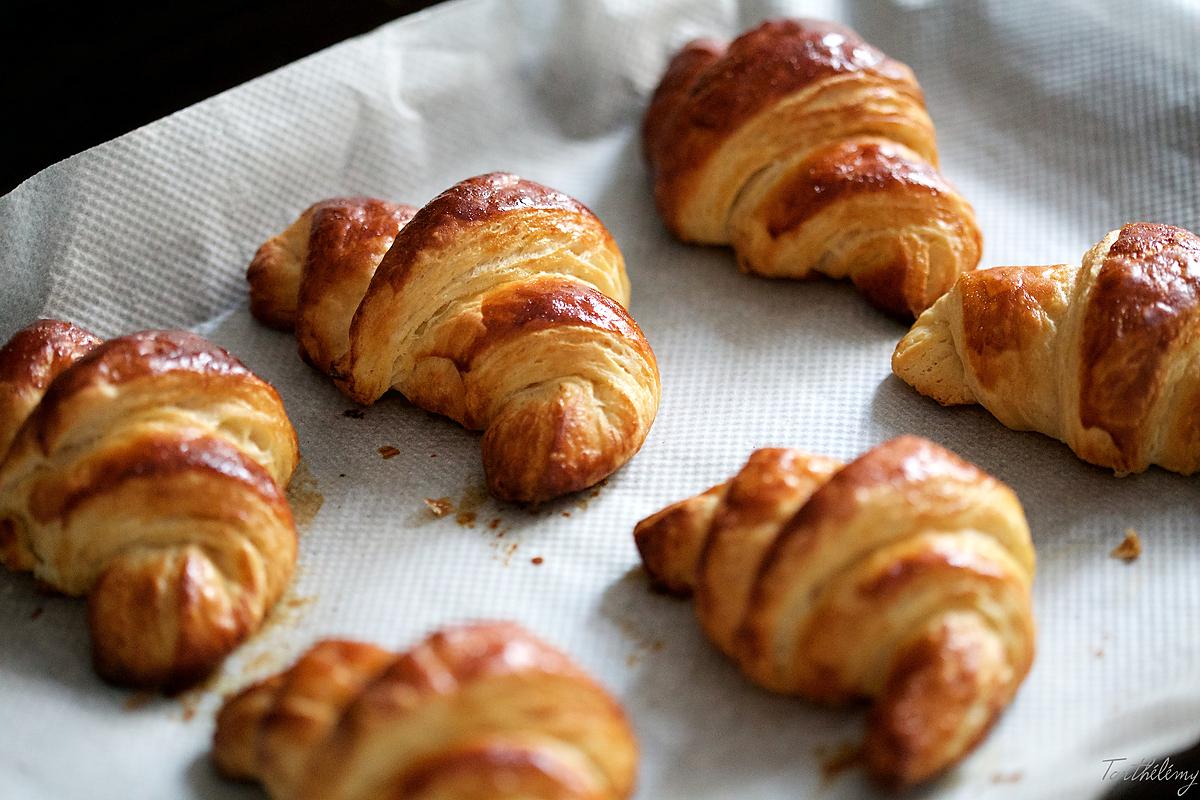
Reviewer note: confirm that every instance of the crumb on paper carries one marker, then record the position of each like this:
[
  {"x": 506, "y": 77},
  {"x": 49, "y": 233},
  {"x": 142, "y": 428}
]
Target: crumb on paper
[
  {"x": 354, "y": 413},
  {"x": 387, "y": 451},
  {"x": 439, "y": 506},
  {"x": 1007, "y": 777},
  {"x": 1130, "y": 547},
  {"x": 537, "y": 561},
  {"x": 138, "y": 699},
  {"x": 838, "y": 758},
  {"x": 465, "y": 518},
  {"x": 494, "y": 523},
  {"x": 566, "y": 513}
]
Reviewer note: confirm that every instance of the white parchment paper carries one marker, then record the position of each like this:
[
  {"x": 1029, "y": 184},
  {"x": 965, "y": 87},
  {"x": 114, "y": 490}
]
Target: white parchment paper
[{"x": 1059, "y": 121}]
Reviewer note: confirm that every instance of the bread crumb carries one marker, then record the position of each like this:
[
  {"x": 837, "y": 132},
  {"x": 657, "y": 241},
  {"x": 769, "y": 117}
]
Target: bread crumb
[
  {"x": 138, "y": 699},
  {"x": 387, "y": 451},
  {"x": 1130, "y": 547},
  {"x": 354, "y": 413},
  {"x": 466, "y": 519},
  {"x": 439, "y": 506},
  {"x": 566, "y": 513},
  {"x": 536, "y": 561}
]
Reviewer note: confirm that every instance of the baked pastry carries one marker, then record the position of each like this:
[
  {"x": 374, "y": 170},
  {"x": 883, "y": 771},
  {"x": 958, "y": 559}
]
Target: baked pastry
[
  {"x": 1103, "y": 355},
  {"x": 903, "y": 577},
  {"x": 810, "y": 152},
  {"x": 146, "y": 472},
  {"x": 500, "y": 304},
  {"x": 480, "y": 712}
]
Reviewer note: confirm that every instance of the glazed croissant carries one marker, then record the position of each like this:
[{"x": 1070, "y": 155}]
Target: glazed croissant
[
  {"x": 500, "y": 304},
  {"x": 903, "y": 576},
  {"x": 809, "y": 151},
  {"x": 1104, "y": 355},
  {"x": 481, "y": 712},
  {"x": 145, "y": 472}
]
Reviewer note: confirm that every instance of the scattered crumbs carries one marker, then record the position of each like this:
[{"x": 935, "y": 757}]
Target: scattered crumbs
[
  {"x": 37, "y": 612},
  {"x": 1007, "y": 777},
  {"x": 1130, "y": 547},
  {"x": 838, "y": 758},
  {"x": 494, "y": 523},
  {"x": 387, "y": 451},
  {"x": 303, "y": 495},
  {"x": 537, "y": 561},
  {"x": 354, "y": 413},
  {"x": 465, "y": 518},
  {"x": 139, "y": 699},
  {"x": 566, "y": 513},
  {"x": 595, "y": 492},
  {"x": 439, "y": 506},
  {"x": 509, "y": 550},
  {"x": 433, "y": 455},
  {"x": 642, "y": 643},
  {"x": 341, "y": 474}
]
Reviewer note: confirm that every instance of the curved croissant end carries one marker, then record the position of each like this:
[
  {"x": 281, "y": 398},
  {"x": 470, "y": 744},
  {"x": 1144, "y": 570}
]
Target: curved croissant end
[
  {"x": 808, "y": 150},
  {"x": 1104, "y": 355},
  {"x": 500, "y": 304},
  {"x": 481, "y": 712},
  {"x": 903, "y": 576},
  {"x": 145, "y": 473}
]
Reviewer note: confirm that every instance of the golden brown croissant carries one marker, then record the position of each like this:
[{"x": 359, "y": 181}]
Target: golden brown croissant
[
  {"x": 1104, "y": 355},
  {"x": 480, "y": 712},
  {"x": 499, "y": 304},
  {"x": 809, "y": 151},
  {"x": 145, "y": 472},
  {"x": 903, "y": 576}
]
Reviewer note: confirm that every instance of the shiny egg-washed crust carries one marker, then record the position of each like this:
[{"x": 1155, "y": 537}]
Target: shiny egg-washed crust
[
  {"x": 903, "y": 577},
  {"x": 1103, "y": 355},
  {"x": 499, "y": 304},
  {"x": 145, "y": 472},
  {"x": 809, "y": 151},
  {"x": 479, "y": 712}
]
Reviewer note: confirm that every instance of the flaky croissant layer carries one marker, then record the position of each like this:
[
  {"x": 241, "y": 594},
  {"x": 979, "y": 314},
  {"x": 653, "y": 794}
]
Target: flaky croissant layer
[
  {"x": 479, "y": 712},
  {"x": 146, "y": 473},
  {"x": 1103, "y": 355},
  {"x": 809, "y": 152},
  {"x": 903, "y": 577},
  {"x": 500, "y": 304}
]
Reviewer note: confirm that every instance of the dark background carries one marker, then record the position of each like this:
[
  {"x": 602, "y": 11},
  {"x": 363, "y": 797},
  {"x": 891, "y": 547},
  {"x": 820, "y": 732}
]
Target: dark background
[{"x": 78, "y": 76}]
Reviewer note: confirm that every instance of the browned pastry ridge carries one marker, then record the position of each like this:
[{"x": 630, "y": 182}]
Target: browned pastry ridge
[
  {"x": 1103, "y": 355},
  {"x": 809, "y": 152},
  {"x": 500, "y": 304},
  {"x": 903, "y": 577},
  {"x": 479, "y": 712},
  {"x": 146, "y": 473}
]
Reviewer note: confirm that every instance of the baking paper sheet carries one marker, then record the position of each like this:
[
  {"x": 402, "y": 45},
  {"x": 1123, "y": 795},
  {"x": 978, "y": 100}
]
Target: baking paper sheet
[{"x": 1058, "y": 121}]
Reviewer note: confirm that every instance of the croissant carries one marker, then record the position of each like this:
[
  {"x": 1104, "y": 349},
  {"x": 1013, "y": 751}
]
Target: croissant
[
  {"x": 480, "y": 712},
  {"x": 500, "y": 304},
  {"x": 903, "y": 577},
  {"x": 1104, "y": 355},
  {"x": 145, "y": 472},
  {"x": 809, "y": 151}
]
